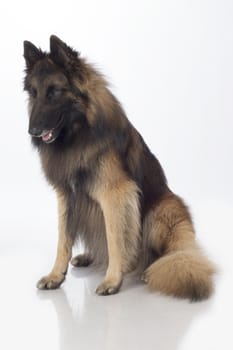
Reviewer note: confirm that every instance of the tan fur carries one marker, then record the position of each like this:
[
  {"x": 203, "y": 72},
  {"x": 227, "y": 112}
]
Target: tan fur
[
  {"x": 118, "y": 199},
  {"x": 64, "y": 250},
  {"x": 182, "y": 270}
]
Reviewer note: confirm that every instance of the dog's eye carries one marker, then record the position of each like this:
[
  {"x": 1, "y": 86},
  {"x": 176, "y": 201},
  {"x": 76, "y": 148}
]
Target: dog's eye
[
  {"x": 54, "y": 92},
  {"x": 32, "y": 92}
]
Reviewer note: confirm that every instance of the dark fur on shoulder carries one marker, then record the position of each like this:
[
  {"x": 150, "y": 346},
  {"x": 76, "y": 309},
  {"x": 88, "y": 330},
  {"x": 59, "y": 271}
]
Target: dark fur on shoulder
[{"x": 112, "y": 192}]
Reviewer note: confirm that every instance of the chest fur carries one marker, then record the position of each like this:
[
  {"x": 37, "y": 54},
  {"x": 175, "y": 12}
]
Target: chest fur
[{"x": 68, "y": 168}]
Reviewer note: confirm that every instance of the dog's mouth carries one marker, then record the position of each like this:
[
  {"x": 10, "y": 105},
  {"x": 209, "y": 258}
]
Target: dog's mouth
[{"x": 48, "y": 136}]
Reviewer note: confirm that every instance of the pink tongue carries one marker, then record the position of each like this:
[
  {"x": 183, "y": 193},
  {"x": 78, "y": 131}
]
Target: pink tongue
[{"x": 47, "y": 136}]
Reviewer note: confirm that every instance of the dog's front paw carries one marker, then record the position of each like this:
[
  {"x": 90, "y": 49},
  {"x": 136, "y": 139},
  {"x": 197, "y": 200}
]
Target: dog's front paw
[
  {"x": 51, "y": 281},
  {"x": 108, "y": 288}
]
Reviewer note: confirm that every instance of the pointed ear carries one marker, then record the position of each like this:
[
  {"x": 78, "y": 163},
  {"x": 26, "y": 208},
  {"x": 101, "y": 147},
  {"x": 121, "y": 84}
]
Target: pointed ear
[
  {"x": 31, "y": 54},
  {"x": 62, "y": 54}
]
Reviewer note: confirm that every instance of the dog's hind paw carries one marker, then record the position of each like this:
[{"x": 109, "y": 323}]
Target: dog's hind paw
[
  {"x": 144, "y": 277},
  {"x": 50, "y": 282},
  {"x": 81, "y": 260}
]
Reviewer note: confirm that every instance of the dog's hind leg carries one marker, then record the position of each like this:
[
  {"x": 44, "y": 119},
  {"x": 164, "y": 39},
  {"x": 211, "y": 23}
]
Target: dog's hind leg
[
  {"x": 64, "y": 249},
  {"x": 182, "y": 270}
]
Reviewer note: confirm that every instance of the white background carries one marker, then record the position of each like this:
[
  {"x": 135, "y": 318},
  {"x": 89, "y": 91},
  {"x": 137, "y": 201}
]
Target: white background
[{"x": 171, "y": 65}]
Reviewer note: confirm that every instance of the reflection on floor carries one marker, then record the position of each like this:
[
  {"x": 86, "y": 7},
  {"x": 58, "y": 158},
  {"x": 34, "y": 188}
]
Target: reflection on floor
[
  {"x": 132, "y": 319},
  {"x": 74, "y": 317}
]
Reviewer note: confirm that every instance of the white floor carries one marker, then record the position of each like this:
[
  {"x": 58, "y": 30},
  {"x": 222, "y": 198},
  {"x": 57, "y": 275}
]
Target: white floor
[{"x": 74, "y": 317}]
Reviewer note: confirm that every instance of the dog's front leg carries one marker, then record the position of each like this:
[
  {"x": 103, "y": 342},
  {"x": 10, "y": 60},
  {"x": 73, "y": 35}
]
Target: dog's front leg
[
  {"x": 64, "y": 249},
  {"x": 119, "y": 203}
]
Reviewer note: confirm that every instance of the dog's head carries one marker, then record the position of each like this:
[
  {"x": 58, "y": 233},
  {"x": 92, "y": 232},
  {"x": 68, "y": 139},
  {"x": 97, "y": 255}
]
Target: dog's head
[{"x": 55, "y": 100}]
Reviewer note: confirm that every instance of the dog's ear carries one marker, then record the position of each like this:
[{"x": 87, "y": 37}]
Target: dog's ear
[
  {"x": 62, "y": 54},
  {"x": 31, "y": 54}
]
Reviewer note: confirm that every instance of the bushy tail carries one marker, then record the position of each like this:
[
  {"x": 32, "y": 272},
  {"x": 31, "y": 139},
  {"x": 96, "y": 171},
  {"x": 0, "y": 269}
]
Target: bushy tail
[
  {"x": 182, "y": 269},
  {"x": 183, "y": 274}
]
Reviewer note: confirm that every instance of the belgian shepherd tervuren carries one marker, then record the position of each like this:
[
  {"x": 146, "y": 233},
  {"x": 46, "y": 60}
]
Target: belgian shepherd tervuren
[{"x": 111, "y": 190}]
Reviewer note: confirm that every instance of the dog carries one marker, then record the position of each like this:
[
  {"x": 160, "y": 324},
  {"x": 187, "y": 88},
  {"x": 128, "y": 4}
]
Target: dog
[{"x": 112, "y": 192}]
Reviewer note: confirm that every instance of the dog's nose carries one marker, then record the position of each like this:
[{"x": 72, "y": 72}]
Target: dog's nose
[{"x": 36, "y": 132}]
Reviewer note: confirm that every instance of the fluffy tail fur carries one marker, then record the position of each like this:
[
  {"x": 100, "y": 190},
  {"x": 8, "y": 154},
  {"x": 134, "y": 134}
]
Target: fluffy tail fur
[{"x": 182, "y": 270}]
